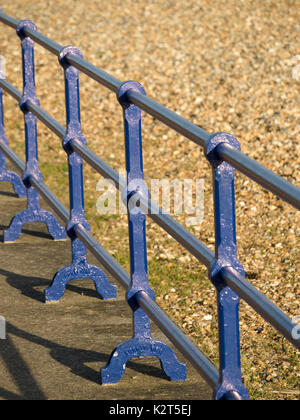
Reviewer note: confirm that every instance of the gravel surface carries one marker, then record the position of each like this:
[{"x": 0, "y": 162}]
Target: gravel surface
[{"x": 227, "y": 66}]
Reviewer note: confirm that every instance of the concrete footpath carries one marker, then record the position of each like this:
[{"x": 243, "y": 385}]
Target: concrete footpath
[{"x": 55, "y": 351}]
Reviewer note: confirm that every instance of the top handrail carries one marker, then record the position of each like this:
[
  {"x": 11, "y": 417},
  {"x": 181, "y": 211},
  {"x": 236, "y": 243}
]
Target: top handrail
[{"x": 254, "y": 170}]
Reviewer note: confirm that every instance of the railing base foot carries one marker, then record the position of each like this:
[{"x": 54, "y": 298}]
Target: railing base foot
[
  {"x": 142, "y": 347},
  {"x": 79, "y": 271}
]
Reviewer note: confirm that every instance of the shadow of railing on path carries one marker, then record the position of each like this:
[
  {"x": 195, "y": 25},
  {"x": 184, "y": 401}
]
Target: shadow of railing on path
[
  {"x": 28, "y": 286},
  {"x": 19, "y": 371}
]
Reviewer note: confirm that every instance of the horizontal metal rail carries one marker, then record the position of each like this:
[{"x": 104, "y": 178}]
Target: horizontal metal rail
[
  {"x": 262, "y": 305},
  {"x": 107, "y": 261},
  {"x": 254, "y": 170},
  {"x": 261, "y": 175},
  {"x": 19, "y": 164},
  {"x": 13, "y": 23},
  {"x": 51, "y": 199},
  {"x": 10, "y": 89}
]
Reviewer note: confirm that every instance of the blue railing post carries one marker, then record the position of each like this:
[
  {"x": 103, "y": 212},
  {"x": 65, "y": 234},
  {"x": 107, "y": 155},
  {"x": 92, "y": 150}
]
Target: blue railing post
[
  {"x": 141, "y": 344},
  {"x": 5, "y": 174},
  {"x": 79, "y": 268},
  {"x": 230, "y": 383},
  {"x": 33, "y": 213}
]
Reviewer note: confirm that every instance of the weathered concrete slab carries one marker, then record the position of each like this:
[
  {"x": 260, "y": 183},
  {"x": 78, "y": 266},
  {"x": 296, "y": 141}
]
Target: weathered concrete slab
[{"x": 55, "y": 351}]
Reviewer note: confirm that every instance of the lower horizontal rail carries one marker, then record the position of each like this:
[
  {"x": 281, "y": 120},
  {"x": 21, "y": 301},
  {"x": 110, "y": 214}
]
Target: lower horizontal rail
[
  {"x": 170, "y": 118},
  {"x": 51, "y": 199},
  {"x": 107, "y": 261},
  {"x": 262, "y": 305},
  {"x": 178, "y": 338},
  {"x": 6, "y": 150},
  {"x": 184, "y": 237},
  {"x": 10, "y": 89}
]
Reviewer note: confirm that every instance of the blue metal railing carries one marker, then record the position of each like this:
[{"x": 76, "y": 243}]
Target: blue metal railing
[{"x": 225, "y": 271}]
